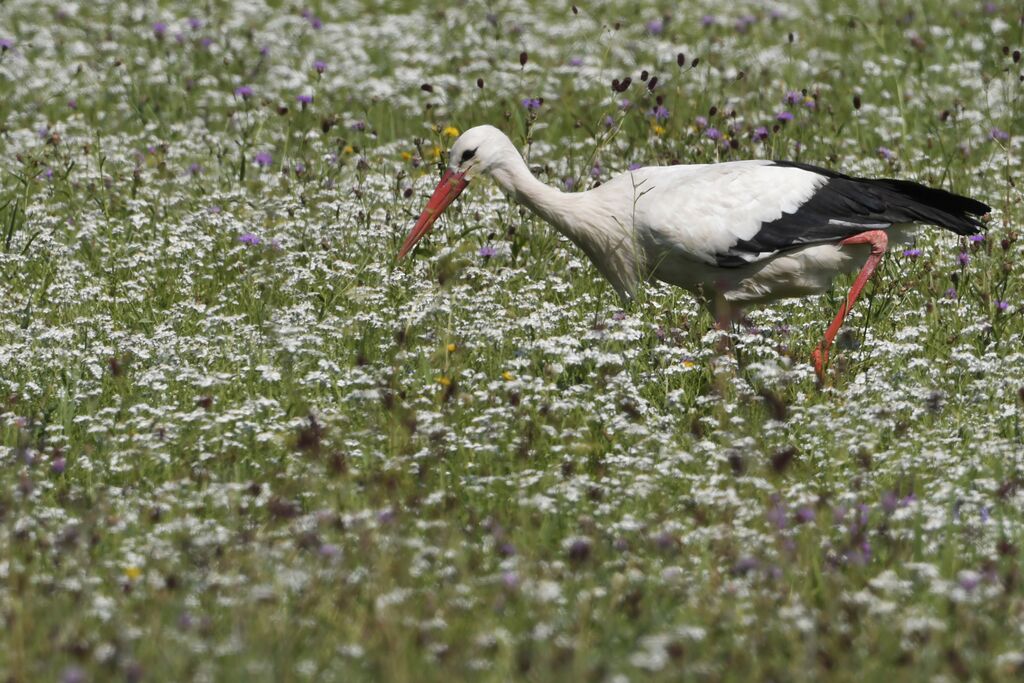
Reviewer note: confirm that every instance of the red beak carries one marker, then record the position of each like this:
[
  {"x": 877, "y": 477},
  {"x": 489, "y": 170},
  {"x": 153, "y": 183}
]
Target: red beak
[{"x": 448, "y": 189}]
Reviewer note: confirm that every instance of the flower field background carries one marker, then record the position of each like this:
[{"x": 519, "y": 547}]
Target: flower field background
[{"x": 238, "y": 441}]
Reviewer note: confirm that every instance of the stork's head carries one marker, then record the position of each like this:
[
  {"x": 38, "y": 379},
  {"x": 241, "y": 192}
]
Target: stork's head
[{"x": 483, "y": 149}]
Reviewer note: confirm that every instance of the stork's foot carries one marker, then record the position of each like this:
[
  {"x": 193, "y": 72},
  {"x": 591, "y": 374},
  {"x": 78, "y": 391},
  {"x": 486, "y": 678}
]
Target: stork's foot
[{"x": 820, "y": 359}]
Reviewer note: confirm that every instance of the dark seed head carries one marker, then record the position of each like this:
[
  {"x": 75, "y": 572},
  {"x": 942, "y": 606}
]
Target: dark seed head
[
  {"x": 681, "y": 60},
  {"x": 523, "y": 58}
]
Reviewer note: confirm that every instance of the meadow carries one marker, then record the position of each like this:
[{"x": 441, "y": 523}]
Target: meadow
[{"x": 239, "y": 441}]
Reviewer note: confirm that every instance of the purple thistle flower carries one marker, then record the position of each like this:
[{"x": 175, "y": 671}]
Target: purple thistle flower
[
  {"x": 194, "y": 169},
  {"x": 304, "y": 100},
  {"x": 250, "y": 239},
  {"x": 320, "y": 66},
  {"x": 655, "y": 27},
  {"x": 195, "y": 23},
  {"x": 784, "y": 116},
  {"x": 809, "y": 103},
  {"x": 977, "y": 238},
  {"x": 575, "y": 61},
  {"x": 760, "y": 133},
  {"x": 713, "y": 133},
  {"x": 58, "y": 465},
  {"x": 707, "y": 20},
  {"x": 243, "y": 91},
  {"x": 299, "y": 168},
  {"x": 263, "y": 158},
  {"x": 660, "y": 113},
  {"x": 999, "y": 135},
  {"x": 358, "y": 126},
  {"x": 568, "y": 183},
  {"x": 608, "y": 121},
  {"x": 634, "y": 166},
  {"x": 532, "y": 103},
  {"x": 885, "y": 153},
  {"x": 487, "y": 251},
  {"x": 72, "y": 103},
  {"x": 701, "y": 122},
  {"x": 912, "y": 253},
  {"x": 792, "y": 97},
  {"x": 595, "y": 172},
  {"x": 951, "y": 293},
  {"x": 625, "y": 104},
  {"x": 964, "y": 258},
  {"x": 1002, "y": 305},
  {"x": 205, "y": 42},
  {"x": 159, "y": 29},
  {"x": 6, "y": 44}
]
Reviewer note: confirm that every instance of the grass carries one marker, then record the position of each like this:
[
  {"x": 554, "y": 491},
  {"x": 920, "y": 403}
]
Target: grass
[{"x": 239, "y": 442}]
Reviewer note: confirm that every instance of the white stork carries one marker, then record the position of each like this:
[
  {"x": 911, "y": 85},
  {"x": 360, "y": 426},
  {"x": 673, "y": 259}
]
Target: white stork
[{"x": 740, "y": 232}]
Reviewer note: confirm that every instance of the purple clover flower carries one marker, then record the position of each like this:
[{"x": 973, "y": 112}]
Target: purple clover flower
[
  {"x": 708, "y": 20},
  {"x": 159, "y": 30},
  {"x": 885, "y": 153},
  {"x": 250, "y": 239},
  {"x": 320, "y": 66},
  {"x": 625, "y": 104},
  {"x": 608, "y": 121},
  {"x": 964, "y": 258},
  {"x": 977, "y": 238},
  {"x": 575, "y": 61},
  {"x": 912, "y": 252},
  {"x": 999, "y": 135},
  {"x": 655, "y": 27},
  {"x": 951, "y": 293},
  {"x": 792, "y": 97},
  {"x": 568, "y": 183},
  {"x": 660, "y": 113},
  {"x": 713, "y": 133},
  {"x": 58, "y": 465},
  {"x": 784, "y": 116},
  {"x": 6, "y": 44},
  {"x": 304, "y": 100},
  {"x": 243, "y": 91},
  {"x": 532, "y": 103},
  {"x": 1002, "y": 305},
  {"x": 487, "y": 251},
  {"x": 195, "y": 23},
  {"x": 634, "y": 166},
  {"x": 701, "y": 121},
  {"x": 595, "y": 172},
  {"x": 760, "y": 133},
  {"x": 263, "y": 158}
]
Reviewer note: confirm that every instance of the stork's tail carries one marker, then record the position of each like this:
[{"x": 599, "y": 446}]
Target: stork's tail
[{"x": 907, "y": 201}]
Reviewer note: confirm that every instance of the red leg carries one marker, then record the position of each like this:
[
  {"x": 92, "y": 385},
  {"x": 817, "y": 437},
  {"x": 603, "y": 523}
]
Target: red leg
[{"x": 879, "y": 242}]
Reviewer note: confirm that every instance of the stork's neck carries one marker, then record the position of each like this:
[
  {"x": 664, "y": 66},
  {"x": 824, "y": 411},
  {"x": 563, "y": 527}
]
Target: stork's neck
[
  {"x": 582, "y": 218},
  {"x": 554, "y": 206}
]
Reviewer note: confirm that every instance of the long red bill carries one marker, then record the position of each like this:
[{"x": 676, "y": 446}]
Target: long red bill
[{"x": 448, "y": 189}]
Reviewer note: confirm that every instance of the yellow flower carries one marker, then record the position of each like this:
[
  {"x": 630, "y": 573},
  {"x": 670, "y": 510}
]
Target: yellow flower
[
  {"x": 132, "y": 572},
  {"x": 442, "y": 380},
  {"x": 689, "y": 364},
  {"x": 451, "y": 131},
  {"x": 658, "y": 130},
  {"x": 406, "y": 156},
  {"x": 347, "y": 149},
  {"x": 437, "y": 152},
  {"x": 508, "y": 376},
  {"x": 451, "y": 348}
]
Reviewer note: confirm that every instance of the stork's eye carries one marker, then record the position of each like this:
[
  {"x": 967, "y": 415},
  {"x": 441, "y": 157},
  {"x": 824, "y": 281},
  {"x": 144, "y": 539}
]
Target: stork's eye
[{"x": 467, "y": 155}]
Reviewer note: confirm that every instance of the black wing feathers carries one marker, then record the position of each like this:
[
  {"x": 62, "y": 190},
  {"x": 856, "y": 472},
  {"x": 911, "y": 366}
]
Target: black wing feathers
[{"x": 846, "y": 206}]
